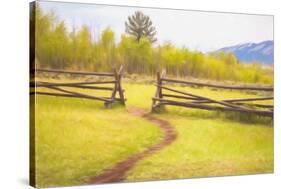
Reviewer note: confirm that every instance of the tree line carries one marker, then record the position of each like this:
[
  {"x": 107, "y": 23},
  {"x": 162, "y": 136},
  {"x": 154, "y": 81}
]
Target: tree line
[{"x": 57, "y": 48}]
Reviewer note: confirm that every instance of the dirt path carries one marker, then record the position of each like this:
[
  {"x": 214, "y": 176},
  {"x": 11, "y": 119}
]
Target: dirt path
[{"x": 118, "y": 172}]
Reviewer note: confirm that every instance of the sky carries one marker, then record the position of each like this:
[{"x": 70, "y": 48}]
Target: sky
[{"x": 196, "y": 30}]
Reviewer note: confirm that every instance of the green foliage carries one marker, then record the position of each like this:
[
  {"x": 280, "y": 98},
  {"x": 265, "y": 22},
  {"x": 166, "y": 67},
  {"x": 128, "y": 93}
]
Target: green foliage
[
  {"x": 136, "y": 56},
  {"x": 140, "y": 26},
  {"x": 83, "y": 48},
  {"x": 58, "y": 48}
]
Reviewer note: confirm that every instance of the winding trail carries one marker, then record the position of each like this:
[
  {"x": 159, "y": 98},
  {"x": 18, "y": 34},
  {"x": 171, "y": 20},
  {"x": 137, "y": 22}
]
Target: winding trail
[{"x": 118, "y": 172}]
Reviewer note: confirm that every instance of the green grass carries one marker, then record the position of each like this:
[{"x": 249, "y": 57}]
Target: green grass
[
  {"x": 78, "y": 139},
  {"x": 209, "y": 143},
  {"x": 209, "y": 147}
]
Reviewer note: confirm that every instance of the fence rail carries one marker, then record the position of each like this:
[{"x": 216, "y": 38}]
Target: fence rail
[
  {"x": 60, "y": 88},
  {"x": 177, "y": 97},
  {"x": 256, "y": 88},
  {"x": 75, "y": 72}
]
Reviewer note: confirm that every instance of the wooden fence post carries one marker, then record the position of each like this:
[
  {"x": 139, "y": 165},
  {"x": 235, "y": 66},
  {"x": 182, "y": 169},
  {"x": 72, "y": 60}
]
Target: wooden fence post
[
  {"x": 117, "y": 88},
  {"x": 159, "y": 82},
  {"x": 109, "y": 104},
  {"x": 120, "y": 89},
  {"x": 158, "y": 93}
]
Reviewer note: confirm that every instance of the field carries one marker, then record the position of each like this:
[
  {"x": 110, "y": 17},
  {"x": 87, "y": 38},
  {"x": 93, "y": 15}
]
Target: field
[{"x": 78, "y": 139}]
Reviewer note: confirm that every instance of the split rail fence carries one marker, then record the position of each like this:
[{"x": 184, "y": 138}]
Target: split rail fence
[
  {"x": 110, "y": 82},
  {"x": 166, "y": 95}
]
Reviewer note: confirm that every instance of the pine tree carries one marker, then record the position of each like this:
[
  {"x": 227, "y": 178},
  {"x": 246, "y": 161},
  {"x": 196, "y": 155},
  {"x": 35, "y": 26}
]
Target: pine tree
[{"x": 140, "y": 25}]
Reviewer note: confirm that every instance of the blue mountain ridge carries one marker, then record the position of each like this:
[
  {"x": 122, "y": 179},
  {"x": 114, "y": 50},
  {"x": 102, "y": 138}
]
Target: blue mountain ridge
[{"x": 262, "y": 52}]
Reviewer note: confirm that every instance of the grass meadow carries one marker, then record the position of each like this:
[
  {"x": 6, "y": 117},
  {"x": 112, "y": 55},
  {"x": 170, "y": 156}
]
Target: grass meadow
[{"x": 79, "y": 138}]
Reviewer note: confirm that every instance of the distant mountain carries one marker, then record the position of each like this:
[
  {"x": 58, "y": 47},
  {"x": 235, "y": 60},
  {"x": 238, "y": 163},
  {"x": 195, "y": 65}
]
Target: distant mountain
[{"x": 262, "y": 52}]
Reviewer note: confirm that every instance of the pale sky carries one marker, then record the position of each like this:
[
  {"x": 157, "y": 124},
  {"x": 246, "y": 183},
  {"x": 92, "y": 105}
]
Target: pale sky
[{"x": 196, "y": 30}]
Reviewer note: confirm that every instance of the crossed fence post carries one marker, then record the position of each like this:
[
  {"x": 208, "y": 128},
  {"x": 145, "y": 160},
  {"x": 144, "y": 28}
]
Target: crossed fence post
[
  {"x": 158, "y": 93},
  {"x": 120, "y": 89},
  {"x": 117, "y": 89}
]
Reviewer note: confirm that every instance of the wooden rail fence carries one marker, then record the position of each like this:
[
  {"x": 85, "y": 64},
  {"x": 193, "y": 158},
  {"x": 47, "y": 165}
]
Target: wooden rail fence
[
  {"x": 177, "y": 97},
  {"x": 114, "y": 83}
]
